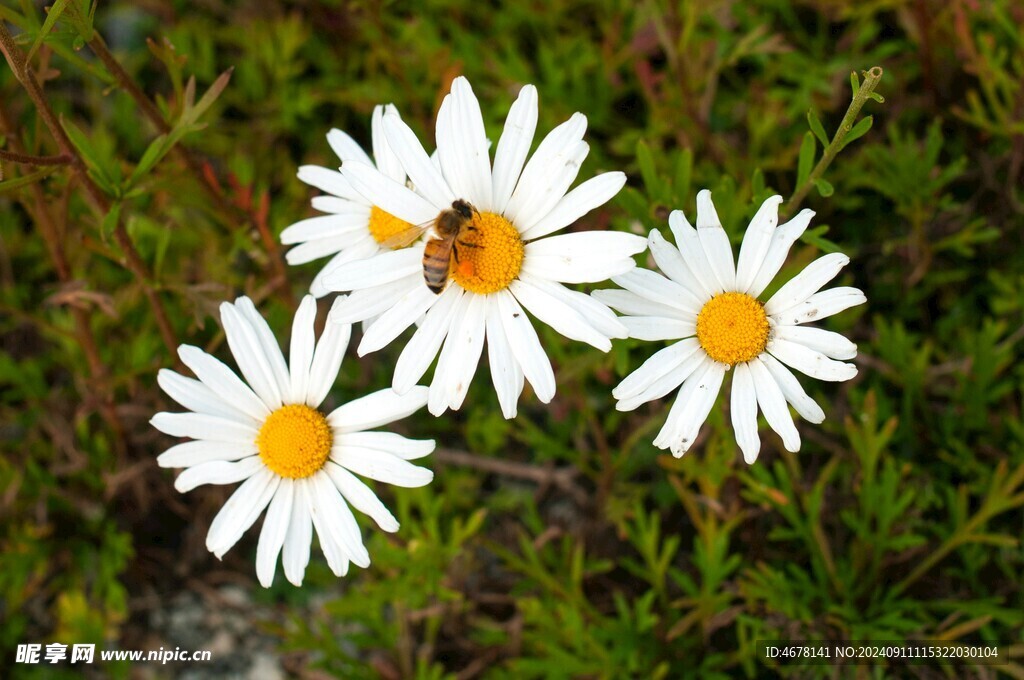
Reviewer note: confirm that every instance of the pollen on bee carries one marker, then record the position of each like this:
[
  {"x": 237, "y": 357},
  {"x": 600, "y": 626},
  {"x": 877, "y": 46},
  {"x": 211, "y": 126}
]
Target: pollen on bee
[{"x": 465, "y": 268}]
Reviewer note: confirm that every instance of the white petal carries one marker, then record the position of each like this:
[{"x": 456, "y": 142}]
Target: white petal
[
  {"x": 300, "y": 353},
  {"x": 744, "y": 413},
  {"x": 756, "y": 242},
  {"x": 381, "y": 466},
  {"x": 361, "y": 497},
  {"x": 715, "y": 242},
  {"x": 582, "y": 257},
  {"x": 299, "y": 536},
  {"x": 192, "y": 453},
  {"x": 697, "y": 397},
  {"x": 240, "y": 511},
  {"x": 557, "y": 314},
  {"x": 327, "y": 358},
  {"x": 330, "y": 181},
  {"x": 271, "y": 349},
  {"x": 832, "y": 345},
  {"x": 339, "y": 520},
  {"x": 591, "y": 194},
  {"x": 377, "y": 408},
  {"x": 391, "y": 323},
  {"x": 275, "y": 528},
  {"x": 593, "y": 311},
  {"x": 806, "y": 283},
  {"x": 216, "y": 375},
  {"x": 367, "y": 303},
  {"x": 550, "y": 184},
  {"x": 558, "y": 147},
  {"x": 821, "y": 305},
  {"x": 671, "y": 262},
  {"x": 658, "y": 328},
  {"x": 389, "y": 195},
  {"x": 506, "y": 374},
  {"x": 322, "y": 247},
  {"x": 387, "y": 162},
  {"x": 420, "y": 351},
  {"x": 791, "y": 389},
  {"x": 462, "y": 146},
  {"x": 388, "y": 266},
  {"x": 347, "y": 148},
  {"x": 196, "y": 396},
  {"x": 783, "y": 238},
  {"x": 324, "y": 226},
  {"x": 809, "y": 362},
  {"x": 668, "y": 378},
  {"x": 513, "y": 146},
  {"x": 629, "y": 303},
  {"x": 661, "y": 363},
  {"x": 526, "y": 348},
  {"x": 425, "y": 177},
  {"x": 465, "y": 343},
  {"x": 689, "y": 246},
  {"x": 360, "y": 250},
  {"x": 218, "y": 472},
  {"x": 202, "y": 426},
  {"x": 320, "y": 517},
  {"x": 389, "y": 442},
  {"x": 773, "y": 405},
  {"x": 248, "y": 352},
  {"x": 657, "y": 288},
  {"x": 337, "y": 206}
]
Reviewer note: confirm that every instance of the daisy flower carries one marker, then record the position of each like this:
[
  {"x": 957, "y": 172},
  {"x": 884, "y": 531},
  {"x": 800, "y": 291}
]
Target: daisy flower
[
  {"x": 290, "y": 456},
  {"x": 505, "y": 265},
  {"x": 712, "y": 306},
  {"x": 353, "y": 227}
]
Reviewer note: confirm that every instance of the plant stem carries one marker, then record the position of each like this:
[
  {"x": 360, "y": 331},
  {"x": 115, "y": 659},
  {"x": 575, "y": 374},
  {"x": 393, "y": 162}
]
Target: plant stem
[
  {"x": 97, "y": 198},
  {"x": 871, "y": 79},
  {"x": 26, "y": 159}
]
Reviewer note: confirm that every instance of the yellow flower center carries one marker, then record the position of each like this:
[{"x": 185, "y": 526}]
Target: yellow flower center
[
  {"x": 490, "y": 254},
  {"x": 384, "y": 226},
  {"x": 732, "y": 328},
  {"x": 295, "y": 441}
]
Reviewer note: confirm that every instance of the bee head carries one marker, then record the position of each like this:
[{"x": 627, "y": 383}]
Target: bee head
[{"x": 464, "y": 208}]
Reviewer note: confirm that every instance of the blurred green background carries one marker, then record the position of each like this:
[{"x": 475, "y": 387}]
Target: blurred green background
[{"x": 560, "y": 544}]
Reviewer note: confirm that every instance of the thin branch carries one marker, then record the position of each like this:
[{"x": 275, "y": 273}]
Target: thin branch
[
  {"x": 562, "y": 478},
  {"x": 26, "y": 159},
  {"x": 99, "y": 200},
  {"x": 871, "y": 79}
]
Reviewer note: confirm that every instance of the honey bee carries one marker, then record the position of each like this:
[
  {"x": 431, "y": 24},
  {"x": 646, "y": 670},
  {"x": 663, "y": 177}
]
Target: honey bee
[{"x": 449, "y": 226}]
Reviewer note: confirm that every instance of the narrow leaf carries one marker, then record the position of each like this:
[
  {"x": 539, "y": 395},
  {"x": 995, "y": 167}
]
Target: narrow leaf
[
  {"x": 858, "y": 131},
  {"x": 817, "y": 128},
  {"x": 211, "y": 95},
  {"x": 649, "y": 175},
  {"x": 24, "y": 180},
  {"x": 55, "y": 11},
  {"x": 824, "y": 188},
  {"x": 681, "y": 182}
]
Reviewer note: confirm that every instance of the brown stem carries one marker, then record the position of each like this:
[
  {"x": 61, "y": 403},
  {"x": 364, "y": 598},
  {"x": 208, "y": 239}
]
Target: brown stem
[
  {"x": 51, "y": 237},
  {"x": 26, "y": 159},
  {"x": 195, "y": 165},
  {"x": 99, "y": 200},
  {"x": 544, "y": 476}
]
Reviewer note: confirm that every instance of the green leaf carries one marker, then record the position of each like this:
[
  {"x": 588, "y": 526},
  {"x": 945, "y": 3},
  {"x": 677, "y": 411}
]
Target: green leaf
[
  {"x": 110, "y": 220},
  {"x": 156, "y": 150},
  {"x": 91, "y": 156},
  {"x": 854, "y": 83},
  {"x": 635, "y": 204},
  {"x": 652, "y": 183},
  {"x": 857, "y": 131},
  {"x": 824, "y": 188},
  {"x": 681, "y": 182},
  {"x": 24, "y": 180},
  {"x": 208, "y": 98},
  {"x": 56, "y": 10},
  {"x": 817, "y": 128},
  {"x": 806, "y": 160}
]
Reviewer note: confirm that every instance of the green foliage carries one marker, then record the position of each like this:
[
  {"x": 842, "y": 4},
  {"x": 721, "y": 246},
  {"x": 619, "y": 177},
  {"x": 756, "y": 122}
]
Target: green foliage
[{"x": 562, "y": 543}]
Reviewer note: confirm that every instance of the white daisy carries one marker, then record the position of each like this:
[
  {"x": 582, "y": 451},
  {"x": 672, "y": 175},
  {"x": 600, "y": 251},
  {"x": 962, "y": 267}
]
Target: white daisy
[
  {"x": 354, "y": 228},
  {"x": 270, "y": 435},
  {"x": 506, "y": 265},
  {"x": 712, "y": 306}
]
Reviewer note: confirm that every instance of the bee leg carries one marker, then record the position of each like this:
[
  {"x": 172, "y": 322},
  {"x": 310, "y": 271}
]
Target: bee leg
[{"x": 469, "y": 245}]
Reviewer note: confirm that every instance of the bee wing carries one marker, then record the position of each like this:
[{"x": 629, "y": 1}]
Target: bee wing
[{"x": 407, "y": 236}]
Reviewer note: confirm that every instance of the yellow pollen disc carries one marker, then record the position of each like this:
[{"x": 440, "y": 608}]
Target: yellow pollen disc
[
  {"x": 295, "y": 441},
  {"x": 732, "y": 328},
  {"x": 493, "y": 256},
  {"x": 384, "y": 225}
]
